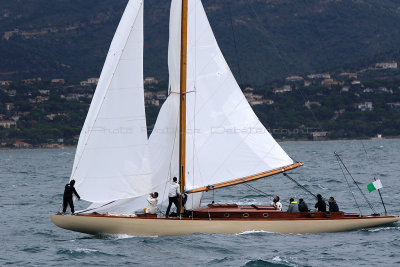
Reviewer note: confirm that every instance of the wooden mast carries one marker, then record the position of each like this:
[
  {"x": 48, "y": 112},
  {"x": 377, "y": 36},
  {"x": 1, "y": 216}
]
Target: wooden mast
[{"x": 182, "y": 102}]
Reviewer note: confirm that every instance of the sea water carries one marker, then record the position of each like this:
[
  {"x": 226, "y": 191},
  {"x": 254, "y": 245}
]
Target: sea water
[{"x": 32, "y": 183}]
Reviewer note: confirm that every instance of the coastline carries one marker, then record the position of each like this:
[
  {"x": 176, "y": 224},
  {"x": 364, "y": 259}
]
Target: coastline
[{"x": 45, "y": 146}]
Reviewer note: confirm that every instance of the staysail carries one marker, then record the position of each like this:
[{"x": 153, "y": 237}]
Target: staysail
[
  {"x": 112, "y": 159},
  {"x": 225, "y": 140}
]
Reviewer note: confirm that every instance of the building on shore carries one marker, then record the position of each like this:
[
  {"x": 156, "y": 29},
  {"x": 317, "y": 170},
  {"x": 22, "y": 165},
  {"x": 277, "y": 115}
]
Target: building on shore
[
  {"x": 5, "y": 83},
  {"x": 150, "y": 80},
  {"x": 319, "y": 136},
  {"x": 366, "y": 106},
  {"x": 89, "y": 82},
  {"x": 294, "y": 78},
  {"x": 8, "y": 124},
  {"x": 20, "y": 144},
  {"x": 394, "y": 105},
  {"x": 348, "y": 75},
  {"x": 386, "y": 65},
  {"x": 284, "y": 89},
  {"x": 308, "y": 104},
  {"x": 319, "y": 76},
  {"x": 60, "y": 81}
]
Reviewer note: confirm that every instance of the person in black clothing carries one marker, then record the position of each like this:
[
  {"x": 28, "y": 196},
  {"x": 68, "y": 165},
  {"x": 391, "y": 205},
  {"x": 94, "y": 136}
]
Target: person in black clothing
[
  {"x": 303, "y": 206},
  {"x": 68, "y": 193},
  {"x": 320, "y": 205},
  {"x": 333, "y": 206}
]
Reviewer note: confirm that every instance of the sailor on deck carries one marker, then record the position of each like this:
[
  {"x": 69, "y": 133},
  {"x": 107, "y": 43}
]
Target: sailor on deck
[
  {"x": 277, "y": 205},
  {"x": 173, "y": 197},
  {"x": 303, "y": 206},
  {"x": 333, "y": 206},
  {"x": 68, "y": 194},
  {"x": 320, "y": 205},
  {"x": 152, "y": 200},
  {"x": 293, "y": 206}
]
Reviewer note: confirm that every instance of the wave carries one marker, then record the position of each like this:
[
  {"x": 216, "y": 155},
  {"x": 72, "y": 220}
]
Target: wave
[
  {"x": 35, "y": 249},
  {"x": 220, "y": 261},
  {"x": 121, "y": 236},
  {"x": 80, "y": 252},
  {"x": 388, "y": 228},
  {"x": 276, "y": 262},
  {"x": 255, "y": 232}
]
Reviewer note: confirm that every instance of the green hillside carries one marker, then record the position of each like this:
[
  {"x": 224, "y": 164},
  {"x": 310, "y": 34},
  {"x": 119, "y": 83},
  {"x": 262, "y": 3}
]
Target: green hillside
[{"x": 263, "y": 40}]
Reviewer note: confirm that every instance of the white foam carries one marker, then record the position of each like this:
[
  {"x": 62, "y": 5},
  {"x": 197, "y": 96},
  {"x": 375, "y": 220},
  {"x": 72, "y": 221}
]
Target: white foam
[
  {"x": 85, "y": 250},
  {"x": 383, "y": 229},
  {"x": 254, "y": 232},
  {"x": 124, "y": 236},
  {"x": 277, "y": 259},
  {"x": 320, "y": 186}
]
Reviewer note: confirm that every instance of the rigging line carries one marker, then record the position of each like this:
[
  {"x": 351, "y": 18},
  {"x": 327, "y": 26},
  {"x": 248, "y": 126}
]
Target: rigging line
[
  {"x": 375, "y": 174},
  {"x": 170, "y": 160},
  {"x": 235, "y": 44},
  {"x": 257, "y": 190},
  {"x": 298, "y": 184},
  {"x": 369, "y": 160},
  {"x": 366, "y": 199},
  {"x": 348, "y": 184},
  {"x": 195, "y": 97}
]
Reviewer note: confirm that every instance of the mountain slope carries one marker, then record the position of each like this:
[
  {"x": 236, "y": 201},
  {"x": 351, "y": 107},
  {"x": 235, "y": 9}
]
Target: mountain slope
[{"x": 262, "y": 40}]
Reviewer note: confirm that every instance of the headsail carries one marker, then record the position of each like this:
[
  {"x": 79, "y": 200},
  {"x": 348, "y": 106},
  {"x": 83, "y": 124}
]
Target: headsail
[
  {"x": 225, "y": 139},
  {"x": 112, "y": 157}
]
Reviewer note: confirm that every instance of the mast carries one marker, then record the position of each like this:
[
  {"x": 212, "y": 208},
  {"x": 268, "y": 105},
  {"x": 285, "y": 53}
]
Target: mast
[{"x": 182, "y": 101}]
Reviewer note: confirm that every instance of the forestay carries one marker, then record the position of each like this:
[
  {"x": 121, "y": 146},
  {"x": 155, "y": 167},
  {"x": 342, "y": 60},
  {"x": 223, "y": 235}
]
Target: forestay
[
  {"x": 112, "y": 159},
  {"x": 225, "y": 139}
]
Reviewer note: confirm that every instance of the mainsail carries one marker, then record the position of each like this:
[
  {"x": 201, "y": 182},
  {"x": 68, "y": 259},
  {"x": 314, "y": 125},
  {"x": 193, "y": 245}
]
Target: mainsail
[
  {"x": 225, "y": 140},
  {"x": 112, "y": 159}
]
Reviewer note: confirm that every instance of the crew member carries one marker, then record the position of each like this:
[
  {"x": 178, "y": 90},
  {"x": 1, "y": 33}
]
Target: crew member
[
  {"x": 303, "y": 206},
  {"x": 152, "y": 200},
  {"x": 333, "y": 206},
  {"x": 68, "y": 194},
  {"x": 173, "y": 196},
  {"x": 277, "y": 205},
  {"x": 320, "y": 205},
  {"x": 293, "y": 206}
]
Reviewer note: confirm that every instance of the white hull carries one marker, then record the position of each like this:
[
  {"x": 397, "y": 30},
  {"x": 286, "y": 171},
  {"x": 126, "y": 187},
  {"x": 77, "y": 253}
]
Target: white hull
[{"x": 170, "y": 227}]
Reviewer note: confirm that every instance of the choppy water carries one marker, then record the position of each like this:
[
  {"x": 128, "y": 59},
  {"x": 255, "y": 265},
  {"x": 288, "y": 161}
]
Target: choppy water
[{"x": 32, "y": 181}]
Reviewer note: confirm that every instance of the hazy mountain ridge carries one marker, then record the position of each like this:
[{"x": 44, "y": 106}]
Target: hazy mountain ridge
[{"x": 267, "y": 40}]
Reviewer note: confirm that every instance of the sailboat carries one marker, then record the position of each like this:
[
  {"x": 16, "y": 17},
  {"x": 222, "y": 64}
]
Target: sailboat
[{"x": 206, "y": 134}]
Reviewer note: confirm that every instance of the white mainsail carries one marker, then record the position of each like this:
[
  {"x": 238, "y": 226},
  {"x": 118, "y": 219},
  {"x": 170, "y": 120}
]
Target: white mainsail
[
  {"x": 225, "y": 139},
  {"x": 112, "y": 159}
]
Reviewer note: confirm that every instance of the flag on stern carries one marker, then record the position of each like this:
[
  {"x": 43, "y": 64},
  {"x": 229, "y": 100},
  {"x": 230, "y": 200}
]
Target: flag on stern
[{"x": 375, "y": 185}]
